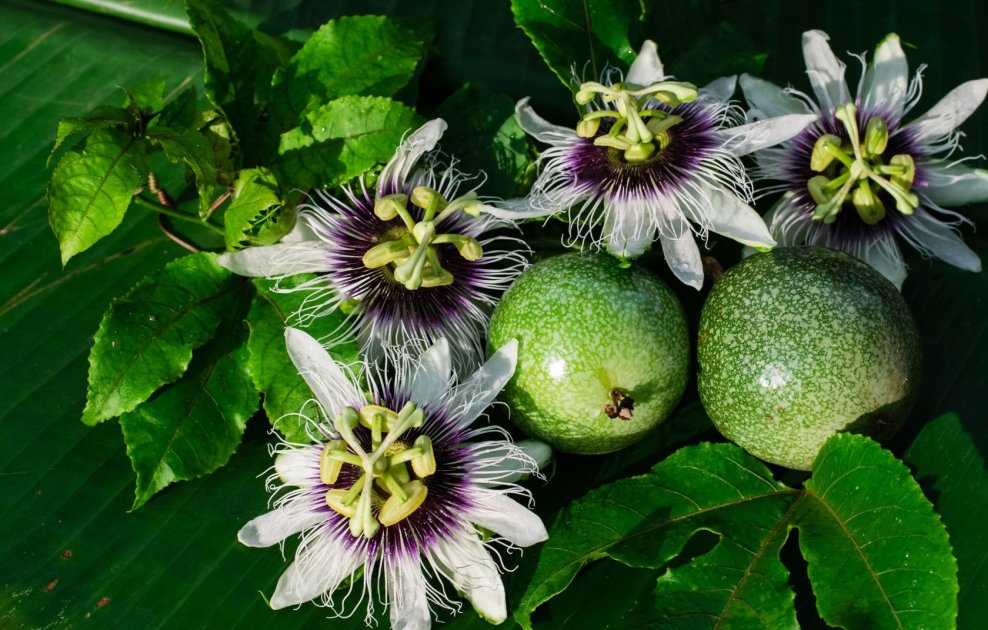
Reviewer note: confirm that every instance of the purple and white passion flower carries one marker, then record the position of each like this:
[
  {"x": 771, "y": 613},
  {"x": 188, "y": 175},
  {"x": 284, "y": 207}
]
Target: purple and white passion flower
[
  {"x": 651, "y": 159},
  {"x": 399, "y": 494},
  {"x": 860, "y": 178},
  {"x": 413, "y": 260}
]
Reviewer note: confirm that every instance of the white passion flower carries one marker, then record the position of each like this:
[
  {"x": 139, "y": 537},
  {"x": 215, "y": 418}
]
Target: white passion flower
[
  {"x": 651, "y": 159},
  {"x": 400, "y": 494},
  {"x": 411, "y": 261},
  {"x": 861, "y": 178}
]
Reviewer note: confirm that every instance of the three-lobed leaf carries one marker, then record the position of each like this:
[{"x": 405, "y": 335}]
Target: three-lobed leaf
[
  {"x": 878, "y": 554},
  {"x": 91, "y": 189},
  {"x": 147, "y": 336},
  {"x": 342, "y": 139},
  {"x": 258, "y": 215}
]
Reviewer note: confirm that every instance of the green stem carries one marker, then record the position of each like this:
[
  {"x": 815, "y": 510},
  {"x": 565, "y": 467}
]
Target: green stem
[{"x": 175, "y": 214}]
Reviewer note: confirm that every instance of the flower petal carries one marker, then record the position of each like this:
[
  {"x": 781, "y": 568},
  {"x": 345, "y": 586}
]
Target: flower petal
[
  {"x": 721, "y": 89},
  {"x": 886, "y": 81},
  {"x": 930, "y": 235},
  {"x": 508, "y": 518},
  {"x": 273, "y": 261},
  {"x": 408, "y": 153},
  {"x": 275, "y": 526},
  {"x": 514, "y": 209},
  {"x": 332, "y": 387},
  {"x": 725, "y": 214},
  {"x": 298, "y": 466},
  {"x": 320, "y": 566},
  {"x": 769, "y": 99},
  {"x": 540, "y": 452},
  {"x": 825, "y": 71},
  {"x": 472, "y": 571},
  {"x": 952, "y": 110},
  {"x": 887, "y": 260},
  {"x": 683, "y": 257},
  {"x": 754, "y": 136},
  {"x": 479, "y": 391},
  {"x": 646, "y": 69},
  {"x": 627, "y": 231},
  {"x": 407, "y": 594},
  {"x": 953, "y": 184},
  {"x": 432, "y": 374},
  {"x": 538, "y": 127}
]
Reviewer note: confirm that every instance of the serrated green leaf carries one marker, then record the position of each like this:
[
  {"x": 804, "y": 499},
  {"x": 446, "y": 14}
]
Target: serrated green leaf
[
  {"x": 342, "y": 139},
  {"x": 485, "y": 136},
  {"x": 366, "y": 55},
  {"x": 285, "y": 392},
  {"x": 103, "y": 117},
  {"x": 91, "y": 189},
  {"x": 191, "y": 427},
  {"x": 147, "y": 97},
  {"x": 258, "y": 215},
  {"x": 577, "y": 35},
  {"x": 147, "y": 336},
  {"x": 878, "y": 555},
  {"x": 222, "y": 140},
  {"x": 191, "y": 148}
]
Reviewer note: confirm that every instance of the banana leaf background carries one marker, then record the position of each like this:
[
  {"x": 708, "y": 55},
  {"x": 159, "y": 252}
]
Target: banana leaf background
[{"x": 70, "y": 552}]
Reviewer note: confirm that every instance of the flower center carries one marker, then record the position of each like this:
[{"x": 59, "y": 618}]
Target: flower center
[
  {"x": 385, "y": 482},
  {"x": 409, "y": 253},
  {"x": 637, "y": 132},
  {"x": 852, "y": 169}
]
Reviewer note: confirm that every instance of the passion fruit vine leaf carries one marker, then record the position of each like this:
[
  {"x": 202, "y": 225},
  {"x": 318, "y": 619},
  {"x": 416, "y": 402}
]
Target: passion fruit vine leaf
[
  {"x": 258, "y": 214},
  {"x": 191, "y": 148},
  {"x": 147, "y": 336},
  {"x": 878, "y": 555}
]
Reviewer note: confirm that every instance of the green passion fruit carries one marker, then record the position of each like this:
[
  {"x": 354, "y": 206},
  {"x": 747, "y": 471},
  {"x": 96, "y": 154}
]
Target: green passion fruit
[
  {"x": 799, "y": 343},
  {"x": 603, "y": 354}
]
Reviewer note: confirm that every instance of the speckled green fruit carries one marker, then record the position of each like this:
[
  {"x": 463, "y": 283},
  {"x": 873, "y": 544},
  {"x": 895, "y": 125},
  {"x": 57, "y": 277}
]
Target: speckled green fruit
[
  {"x": 587, "y": 328},
  {"x": 799, "y": 343}
]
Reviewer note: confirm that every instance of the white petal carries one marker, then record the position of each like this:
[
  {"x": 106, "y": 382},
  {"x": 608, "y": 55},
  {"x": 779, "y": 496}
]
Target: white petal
[
  {"x": 940, "y": 240},
  {"x": 769, "y": 99},
  {"x": 627, "y": 231},
  {"x": 721, "y": 89},
  {"x": 277, "y": 525},
  {"x": 474, "y": 574},
  {"x": 540, "y": 452},
  {"x": 683, "y": 257},
  {"x": 887, "y": 261},
  {"x": 538, "y": 127},
  {"x": 301, "y": 231},
  {"x": 320, "y": 566},
  {"x": 332, "y": 387},
  {"x": 432, "y": 374},
  {"x": 646, "y": 68},
  {"x": 509, "y": 519},
  {"x": 272, "y": 261},
  {"x": 951, "y": 184},
  {"x": 887, "y": 79},
  {"x": 752, "y": 137},
  {"x": 480, "y": 390},
  {"x": 825, "y": 71},
  {"x": 727, "y": 215},
  {"x": 407, "y": 595},
  {"x": 408, "y": 153},
  {"x": 298, "y": 466},
  {"x": 952, "y": 110},
  {"x": 515, "y": 209}
]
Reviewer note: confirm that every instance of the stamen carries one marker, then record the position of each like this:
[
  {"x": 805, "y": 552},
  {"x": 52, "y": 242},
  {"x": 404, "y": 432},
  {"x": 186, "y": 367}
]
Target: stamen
[{"x": 395, "y": 509}]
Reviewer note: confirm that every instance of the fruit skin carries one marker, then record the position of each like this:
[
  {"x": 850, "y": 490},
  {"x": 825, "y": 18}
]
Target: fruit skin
[
  {"x": 799, "y": 343},
  {"x": 585, "y": 326}
]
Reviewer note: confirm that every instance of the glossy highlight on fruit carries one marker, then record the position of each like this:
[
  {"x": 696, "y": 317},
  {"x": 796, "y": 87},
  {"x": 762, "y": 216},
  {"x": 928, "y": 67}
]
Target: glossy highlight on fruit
[
  {"x": 603, "y": 352},
  {"x": 799, "y": 343}
]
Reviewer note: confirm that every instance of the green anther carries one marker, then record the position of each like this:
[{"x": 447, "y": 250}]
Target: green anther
[
  {"x": 639, "y": 152},
  {"x": 818, "y": 187},
  {"x": 429, "y": 200},
  {"x": 661, "y": 124},
  {"x": 825, "y": 150},
  {"x": 395, "y": 510},
  {"x": 368, "y": 413},
  {"x": 334, "y": 499},
  {"x": 386, "y": 253},
  {"x": 346, "y": 420},
  {"x": 876, "y": 136},
  {"x": 329, "y": 465},
  {"x": 406, "y": 456},
  {"x": 905, "y": 162},
  {"x": 388, "y": 207},
  {"x": 869, "y": 207},
  {"x": 612, "y": 142},
  {"x": 588, "y": 128},
  {"x": 425, "y": 464}
]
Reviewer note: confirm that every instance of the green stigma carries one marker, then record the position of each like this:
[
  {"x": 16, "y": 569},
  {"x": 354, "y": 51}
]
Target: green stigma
[
  {"x": 858, "y": 170},
  {"x": 409, "y": 253},
  {"x": 637, "y": 133},
  {"x": 391, "y": 474}
]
